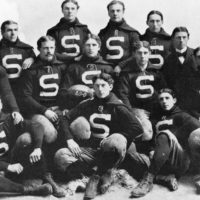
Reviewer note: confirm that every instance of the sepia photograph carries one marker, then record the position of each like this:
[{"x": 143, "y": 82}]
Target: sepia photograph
[{"x": 99, "y": 99}]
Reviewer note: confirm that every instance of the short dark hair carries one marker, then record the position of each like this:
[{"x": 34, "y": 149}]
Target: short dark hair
[
  {"x": 167, "y": 90},
  {"x": 180, "y": 29},
  {"x": 44, "y": 39},
  {"x": 140, "y": 44},
  {"x": 5, "y": 23},
  {"x": 116, "y": 2},
  {"x": 92, "y": 36},
  {"x": 106, "y": 77},
  {"x": 154, "y": 12},
  {"x": 72, "y": 1},
  {"x": 196, "y": 50}
]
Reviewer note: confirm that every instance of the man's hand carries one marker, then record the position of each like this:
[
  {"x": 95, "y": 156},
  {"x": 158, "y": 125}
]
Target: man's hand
[
  {"x": 15, "y": 168},
  {"x": 17, "y": 117},
  {"x": 27, "y": 63},
  {"x": 117, "y": 70},
  {"x": 51, "y": 115},
  {"x": 74, "y": 147},
  {"x": 35, "y": 156}
]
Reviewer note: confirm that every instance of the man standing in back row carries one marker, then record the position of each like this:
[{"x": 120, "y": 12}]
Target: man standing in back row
[
  {"x": 69, "y": 33},
  {"x": 15, "y": 57},
  {"x": 117, "y": 37}
]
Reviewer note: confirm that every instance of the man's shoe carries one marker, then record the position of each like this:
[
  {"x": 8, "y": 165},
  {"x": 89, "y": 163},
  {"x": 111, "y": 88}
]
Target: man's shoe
[
  {"x": 107, "y": 179},
  {"x": 42, "y": 190},
  {"x": 92, "y": 187},
  {"x": 169, "y": 181},
  {"x": 145, "y": 186},
  {"x": 57, "y": 190}
]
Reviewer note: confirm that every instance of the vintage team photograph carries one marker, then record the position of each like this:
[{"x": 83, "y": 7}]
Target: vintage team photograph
[{"x": 99, "y": 99}]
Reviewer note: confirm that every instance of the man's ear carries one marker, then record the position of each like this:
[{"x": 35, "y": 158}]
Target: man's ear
[
  {"x": 175, "y": 100},
  {"x": 111, "y": 86}
]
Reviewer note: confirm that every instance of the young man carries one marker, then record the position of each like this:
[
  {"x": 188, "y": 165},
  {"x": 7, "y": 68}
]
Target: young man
[
  {"x": 41, "y": 85},
  {"x": 69, "y": 33},
  {"x": 177, "y": 137},
  {"x": 102, "y": 131},
  {"x": 159, "y": 40},
  {"x": 82, "y": 72},
  {"x": 15, "y": 56},
  {"x": 138, "y": 86},
  {"x": 179, "y": 64},
  {"x": 117, "y": 37},
  {"x": 20, "y": 161}
]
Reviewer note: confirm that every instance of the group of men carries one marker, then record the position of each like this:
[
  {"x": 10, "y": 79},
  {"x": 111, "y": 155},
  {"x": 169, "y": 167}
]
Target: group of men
[{"x": 88, "y": 104}]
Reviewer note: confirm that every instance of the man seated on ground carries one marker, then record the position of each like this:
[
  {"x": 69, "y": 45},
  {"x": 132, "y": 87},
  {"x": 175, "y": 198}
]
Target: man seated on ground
[
  {"x": 177, "y": 142},
  {"x": 28, "y": 158},
  {"x": 101, "y": 129}
]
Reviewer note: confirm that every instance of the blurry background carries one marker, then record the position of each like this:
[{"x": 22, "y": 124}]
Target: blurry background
[{"x": 36, "y": 16}]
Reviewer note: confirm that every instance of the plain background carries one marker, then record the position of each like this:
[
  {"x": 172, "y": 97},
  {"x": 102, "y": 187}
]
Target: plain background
[{"x": 36, "y": 16}]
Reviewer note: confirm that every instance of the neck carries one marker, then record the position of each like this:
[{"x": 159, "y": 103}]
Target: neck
[
  {"x": 69, "y": 20},
  {"x": 143, "y": 67},
  {"x": 181, "y": 50}
]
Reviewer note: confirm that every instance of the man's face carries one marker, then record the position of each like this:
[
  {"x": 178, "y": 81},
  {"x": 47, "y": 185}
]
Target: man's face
[
  {"x": 116, "y": 12},
  {"x": 197, "y": 58},
  {"x": 166, "y": 101},
  {"x": 180, "y": 40},
  {"x": 155, "y": 23},
  {"x": 11, "y": 32},
  {"x": 102, "y": 88},
  {"x": 70, "y": 11},
  {"x": 47, "y": 51},
  {"x": 91, "y": 48},
  {"x": 142, "y": 56}
]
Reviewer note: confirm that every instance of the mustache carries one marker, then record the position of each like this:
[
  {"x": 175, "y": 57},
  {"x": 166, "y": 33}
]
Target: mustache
[{"x": 49, "y": 54}]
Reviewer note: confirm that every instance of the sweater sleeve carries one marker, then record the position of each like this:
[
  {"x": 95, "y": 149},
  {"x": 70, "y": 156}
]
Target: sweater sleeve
[
  {"x": 31, "y": 53},
  {"x": 134, "y": 38},
  {"x": 29, "y": 102},
  {"x": 128, "y": 123},
  {"x": 3, "y": 165},
  {"x": 8, "y": 99},
  {"x": 123, "y": 89}
]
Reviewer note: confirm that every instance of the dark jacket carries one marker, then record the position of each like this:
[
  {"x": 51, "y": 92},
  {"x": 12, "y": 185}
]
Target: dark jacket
[
  {"x": 160, "y": 44},
  {"x": 180, "y": 123},
  {"x": 138, "y": 89},
  {"x": 120, "y": 38},
  {"x": 69, "y": 38},
  {"x": 113, "y": 117},
  {"x": 12, "y": 55},
  {"x": 41, "y": 85}
]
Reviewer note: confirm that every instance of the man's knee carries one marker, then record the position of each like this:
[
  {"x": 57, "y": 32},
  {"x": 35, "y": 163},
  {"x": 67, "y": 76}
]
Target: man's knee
[
  {"x": 116, "y": 142},
  {"x": 194, "y": 140},
  {"x": 23, "y": 140},
  {"x": 63, "y": 158},
  {"x": 50, "y": 133}
]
